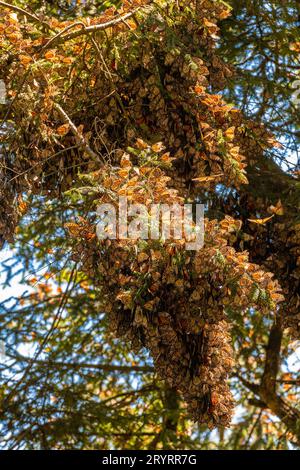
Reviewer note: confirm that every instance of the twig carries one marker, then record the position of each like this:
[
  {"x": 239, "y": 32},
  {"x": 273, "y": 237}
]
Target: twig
[
  {"x": 83, "y": 365},
  {"x": 24, "y": 12},
  {"x": 289, "y": 382},
  {"x": 252, "y": 429},
  {"x": 73, "y": 128},
  {"x": 94, "y": 28},
  {"x": 39, "y": 162}
]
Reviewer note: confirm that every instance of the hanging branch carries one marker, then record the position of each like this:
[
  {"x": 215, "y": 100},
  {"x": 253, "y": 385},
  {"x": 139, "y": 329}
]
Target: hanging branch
[{"x": 78, "y": 136}]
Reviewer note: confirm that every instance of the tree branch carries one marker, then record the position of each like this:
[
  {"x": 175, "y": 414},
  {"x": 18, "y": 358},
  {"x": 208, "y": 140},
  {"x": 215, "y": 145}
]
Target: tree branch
[
  {"x": 266, "y": 391},
  {"x": 84, "y": 365},
  {"x": 78, "y": 136},
  {"x": 289, "y": 382},
  {"x": 272, "y": 363},
  {"x": 91, "y": 29},
  {"x": 24, "y": 12}
]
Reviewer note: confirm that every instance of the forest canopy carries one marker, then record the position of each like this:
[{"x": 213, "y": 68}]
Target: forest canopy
[{"x": 140, "y": 343}]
